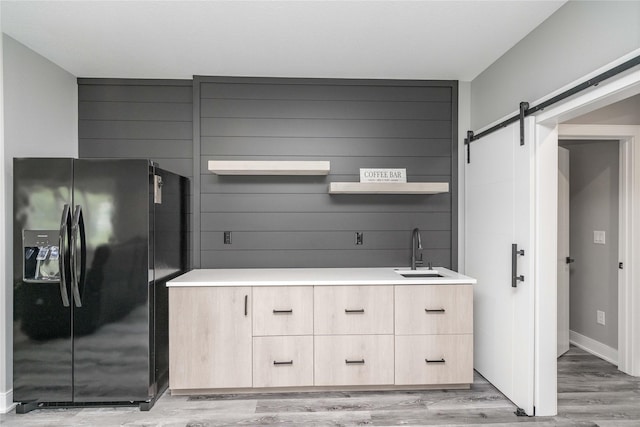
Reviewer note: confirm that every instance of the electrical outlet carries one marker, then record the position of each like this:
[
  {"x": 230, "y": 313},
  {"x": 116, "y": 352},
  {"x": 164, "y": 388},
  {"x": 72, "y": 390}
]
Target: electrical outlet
[
  {"x": 227, "y": 237},
  {"x": 359, "y": 238},
  {"x": 600, "y": 315}
]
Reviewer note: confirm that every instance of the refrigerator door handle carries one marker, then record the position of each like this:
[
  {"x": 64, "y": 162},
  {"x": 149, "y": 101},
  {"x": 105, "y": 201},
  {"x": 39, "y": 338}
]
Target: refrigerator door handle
[
  {"x": 62, "y": 261},
  {"x": 78, "y": 277}
]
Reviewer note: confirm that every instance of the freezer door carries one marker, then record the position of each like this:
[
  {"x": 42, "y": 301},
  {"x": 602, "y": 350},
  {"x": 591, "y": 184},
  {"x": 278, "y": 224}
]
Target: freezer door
[
  {"x": 110, "y": 252},
  {"x": 42, "y": 346}
]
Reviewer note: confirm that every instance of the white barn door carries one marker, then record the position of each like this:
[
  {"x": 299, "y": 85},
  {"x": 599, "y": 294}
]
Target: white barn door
[{"x": 499, "y": 193}]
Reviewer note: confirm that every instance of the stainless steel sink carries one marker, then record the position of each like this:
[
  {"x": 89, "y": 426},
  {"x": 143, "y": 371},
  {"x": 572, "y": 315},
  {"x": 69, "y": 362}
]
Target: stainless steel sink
[
  {"x": 409, "y": 276},
  {"x": 418, "y": 273},
  {"x": 421, "y": 275}
]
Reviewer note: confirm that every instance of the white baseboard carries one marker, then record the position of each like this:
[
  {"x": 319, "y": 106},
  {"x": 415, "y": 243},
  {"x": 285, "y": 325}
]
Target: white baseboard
[
  {"x": 594, "y": 347},
  {"x": 6, "y": 402}
]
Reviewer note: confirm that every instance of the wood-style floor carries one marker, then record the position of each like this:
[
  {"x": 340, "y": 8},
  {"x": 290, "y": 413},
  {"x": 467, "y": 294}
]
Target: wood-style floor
[{"x": 591, "y": 392}]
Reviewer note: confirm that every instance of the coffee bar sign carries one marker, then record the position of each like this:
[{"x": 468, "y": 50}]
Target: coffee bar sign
[{"x": 383, "y": 175}]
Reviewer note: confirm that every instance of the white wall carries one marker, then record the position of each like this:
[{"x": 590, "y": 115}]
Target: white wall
[
  {"x": 464, "y": 124},
  {"x": 579, "y": 38},
  {"x": 5, "y": 396},
  {"x": 40, "y": 120},
  {"x": 625, "y": 112}
]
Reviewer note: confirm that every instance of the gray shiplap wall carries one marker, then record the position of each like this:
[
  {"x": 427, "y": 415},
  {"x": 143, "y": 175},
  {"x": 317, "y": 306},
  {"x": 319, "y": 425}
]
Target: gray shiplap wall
[
  {"x": 293, "y": 221},
  {"x": 137, "y": 119},
  {"x": 289, "y": 221},
  {"x": 123, "y": 118}
]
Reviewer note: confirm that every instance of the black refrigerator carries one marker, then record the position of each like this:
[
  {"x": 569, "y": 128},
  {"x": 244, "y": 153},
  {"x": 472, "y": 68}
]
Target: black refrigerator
[{"x": 94, "y": 243}]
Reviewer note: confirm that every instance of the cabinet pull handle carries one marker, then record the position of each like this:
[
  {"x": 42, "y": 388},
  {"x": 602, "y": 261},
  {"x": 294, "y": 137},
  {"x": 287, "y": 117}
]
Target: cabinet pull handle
[
  {"x": 246, "y": 304},
  {"x": 290, "y": 311},
  {"x": 435, "y": 360},
  {"x": 357, "y": 311},
  {"x": 289, "y": 362},
  {"x": 434, "y": 310},
  {"x": 354, "y": 362}
]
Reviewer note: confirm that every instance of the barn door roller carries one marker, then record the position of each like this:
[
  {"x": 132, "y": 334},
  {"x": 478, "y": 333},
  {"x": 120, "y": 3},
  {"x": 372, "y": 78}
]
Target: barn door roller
[{"x": 524, "y": 106}]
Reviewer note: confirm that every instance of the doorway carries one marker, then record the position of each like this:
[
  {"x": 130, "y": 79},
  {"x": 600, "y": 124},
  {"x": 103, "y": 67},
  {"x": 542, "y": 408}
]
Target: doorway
[
  {"x": 589, "y": 204},
  {"x": 558, "y": 123}
]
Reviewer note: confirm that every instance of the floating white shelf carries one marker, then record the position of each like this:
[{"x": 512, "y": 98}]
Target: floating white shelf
[
  {"x": 266, "y": 167},
  {"x": 388, "y": 187}
]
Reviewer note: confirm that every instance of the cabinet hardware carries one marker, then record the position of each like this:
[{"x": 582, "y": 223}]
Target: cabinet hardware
[
  {"x": 290, "y": 311},
  {"x": 569, "y": 260},
  {"x": 354, "y": 362},
  {"x": 435, "y": 360},
  {"x": 290, "y": 362},
  {"x": 434, "y": 310},
  {"x": 358, "y": 311},
  {"x": 246, "y": 303}
]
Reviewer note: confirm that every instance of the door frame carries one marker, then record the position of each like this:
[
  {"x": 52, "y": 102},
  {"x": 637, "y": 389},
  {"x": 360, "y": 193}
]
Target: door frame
[
  {"x": 546, "y": 140},
  {"x": 626, "y": 135}
]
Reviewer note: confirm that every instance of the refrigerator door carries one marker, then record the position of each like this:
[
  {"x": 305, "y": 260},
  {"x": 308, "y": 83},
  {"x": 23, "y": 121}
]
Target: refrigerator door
[
  {"x": 42, "y": 345},
  {"x": 110, "y": 251}
]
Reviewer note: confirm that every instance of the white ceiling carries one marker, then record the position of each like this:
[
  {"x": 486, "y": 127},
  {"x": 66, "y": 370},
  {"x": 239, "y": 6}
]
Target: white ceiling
[{"x": 453, "y": 40}]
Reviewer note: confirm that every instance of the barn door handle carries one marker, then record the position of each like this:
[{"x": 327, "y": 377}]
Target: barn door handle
[{"x": 514, "y": 265}]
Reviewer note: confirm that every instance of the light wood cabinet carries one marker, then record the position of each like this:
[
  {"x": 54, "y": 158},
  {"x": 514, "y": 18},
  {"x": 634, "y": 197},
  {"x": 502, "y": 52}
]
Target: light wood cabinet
[
  {"x": 340, "y": 310},
  {"x": 283, "y": 310},
  {"x": 283, "y": 361},
  {"x": 225, "y": 339},
  {"x": 210, "y": 337},
  {"x": 434, "y": 334},
  {"x": 434, "y": 359},
  {"x": 353, "y": 360},
  {"x": 434, "y": 309}
]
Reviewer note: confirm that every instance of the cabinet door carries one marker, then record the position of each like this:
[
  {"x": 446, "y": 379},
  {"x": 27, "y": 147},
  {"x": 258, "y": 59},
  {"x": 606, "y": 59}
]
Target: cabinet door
[
  {"x": 353, "y": 310},
  {"x": 434, "y": 359},
  {"x": 283, "y": 361},
  {"x": 434, "y": 309},
  {"x": 209, "y": 337},
  {"x": 282, "y": 310},
  {"x": 353, "y": 360}
]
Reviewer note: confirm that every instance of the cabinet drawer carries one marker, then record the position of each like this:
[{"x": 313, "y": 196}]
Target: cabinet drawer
[
  {"x": 283, "y": 310},
  {"x": 434, "y": 359},
  {"x": 283, "y": 361},
  {"x": 434, "y": 309},
  {"x": 353, "y": 310},
  {"x": 353, "y": 360}
]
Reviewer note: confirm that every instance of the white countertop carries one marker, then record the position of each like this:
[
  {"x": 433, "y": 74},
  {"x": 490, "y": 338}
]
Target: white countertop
[{"x": 317, "y": 277}]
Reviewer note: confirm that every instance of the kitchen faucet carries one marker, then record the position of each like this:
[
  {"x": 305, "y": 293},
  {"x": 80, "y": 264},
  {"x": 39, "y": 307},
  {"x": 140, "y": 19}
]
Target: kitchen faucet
[{"x": 416, "y": 243}]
